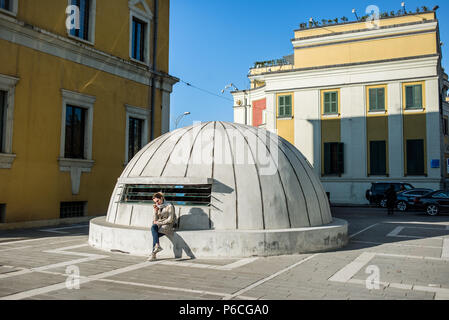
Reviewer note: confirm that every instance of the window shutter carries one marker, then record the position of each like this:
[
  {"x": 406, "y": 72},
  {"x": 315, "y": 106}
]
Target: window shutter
[
  {"x": 281, "y": 106},
  {"x": 341, "y": 158},
  {"x": 415, "y": 157},
  {"x": 372, "y": 99},
  {"x": 378, "y": 165},
  {"x": 408, "y": 97},
  {"x": 381, "y": 99},
  {"x": 417, "y": 97},
  {"x": 327, "y": 158},
  {"x": 288, "y": 105},
  {"x": 327, "y": 102},
  {"x": 334, "y": 108}
]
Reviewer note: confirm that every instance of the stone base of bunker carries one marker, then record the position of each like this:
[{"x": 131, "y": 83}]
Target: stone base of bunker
[{"x": 219, "y": 243}]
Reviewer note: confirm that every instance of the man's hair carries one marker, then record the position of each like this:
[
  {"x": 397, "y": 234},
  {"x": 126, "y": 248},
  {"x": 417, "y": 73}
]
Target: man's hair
[{"x": 158, "y": 195}]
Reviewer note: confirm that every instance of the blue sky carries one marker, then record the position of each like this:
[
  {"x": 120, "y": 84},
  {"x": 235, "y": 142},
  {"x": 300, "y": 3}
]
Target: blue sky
[{"x": 214, "y": 43}]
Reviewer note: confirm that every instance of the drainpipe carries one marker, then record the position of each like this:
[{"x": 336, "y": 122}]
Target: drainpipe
[
  {"x": 152, "y": 82},
  {"x": 440, "y": 72}
]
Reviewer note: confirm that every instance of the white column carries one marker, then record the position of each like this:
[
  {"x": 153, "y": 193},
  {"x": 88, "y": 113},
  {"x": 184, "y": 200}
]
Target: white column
[
  {"x": 395, "y": 131},
  {"x": 433, "y": 126},
  {"x": 307, "y": 126},
  {"x": 271, "y": 112},
  {"x": 353, "y": 131}
]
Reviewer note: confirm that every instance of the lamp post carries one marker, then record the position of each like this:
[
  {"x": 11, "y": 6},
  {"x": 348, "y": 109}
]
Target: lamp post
[
  {"x": 355, "y": 13},
  {"x": 178, "y": 119},
  {"x": 245, "y": 94},
  {"x": 403, "y": 7}
]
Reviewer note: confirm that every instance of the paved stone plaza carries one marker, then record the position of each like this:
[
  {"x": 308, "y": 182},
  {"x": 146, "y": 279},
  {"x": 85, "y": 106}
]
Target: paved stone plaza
[{"x": 409, "y": 253}]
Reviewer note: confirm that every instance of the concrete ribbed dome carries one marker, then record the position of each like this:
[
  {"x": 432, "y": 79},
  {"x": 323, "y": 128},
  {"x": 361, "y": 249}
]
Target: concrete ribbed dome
[{"x": 259, "y": 180}]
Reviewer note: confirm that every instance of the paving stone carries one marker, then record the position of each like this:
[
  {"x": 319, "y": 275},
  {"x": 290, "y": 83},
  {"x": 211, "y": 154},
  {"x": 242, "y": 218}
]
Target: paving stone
[{"x": 307, "y": 281}]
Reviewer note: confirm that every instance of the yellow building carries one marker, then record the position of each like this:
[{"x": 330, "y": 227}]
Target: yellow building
[
  {"x": 363, "y": 101},
  {"x": 84, "y": 85}
]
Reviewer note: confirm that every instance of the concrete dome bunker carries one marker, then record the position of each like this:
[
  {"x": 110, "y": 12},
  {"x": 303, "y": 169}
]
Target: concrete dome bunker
[{"x": 238, "y": 191}]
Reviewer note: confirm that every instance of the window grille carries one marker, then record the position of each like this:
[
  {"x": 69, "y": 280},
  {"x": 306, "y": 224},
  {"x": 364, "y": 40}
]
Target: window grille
[
  {"x": 2, "y": 213},
  {"x": 72, "y": 209},
  {"x": 179, "y": 195}
]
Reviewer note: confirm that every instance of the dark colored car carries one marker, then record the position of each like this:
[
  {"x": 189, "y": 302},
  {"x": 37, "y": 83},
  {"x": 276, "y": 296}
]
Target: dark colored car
[
  {"x": 434, "y": 203},
  {"x": 376, "y": 194},
  {"x": 406, "y": 199}
]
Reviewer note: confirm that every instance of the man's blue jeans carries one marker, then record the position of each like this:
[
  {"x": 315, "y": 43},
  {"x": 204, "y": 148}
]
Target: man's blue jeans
[{"x": 156, "y": 234}]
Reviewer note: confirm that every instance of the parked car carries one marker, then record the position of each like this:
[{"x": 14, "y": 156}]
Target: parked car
[
  {"x": 434, "y": 203},
  {"x": 376, "y": 194},
  {"x": 406, "y": 199}
]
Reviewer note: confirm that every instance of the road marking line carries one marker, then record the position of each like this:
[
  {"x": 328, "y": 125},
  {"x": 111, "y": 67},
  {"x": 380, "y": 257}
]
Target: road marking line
[
  {"x": 38, "y": 239},
  {"x": 227, "y": 267},
  {"x": 445, "y": 251},
  {"x": 87, "y": 257},
  {"x": 156, "y": 286},
  {"x": 366, "y": 229},
  {"x": 401, "y": 286},
  {"x": 437, "y": 229},
  {"x": 408, "y": 256},
  {"x": 396, "y": 244},
  {"x": 82, "y": 280},
  {"x": 441, "y": 293},
  {"x": 262, "y": 281},
  {"x": 202, "y": 292},
  {"x": 18, "y": 248},
  {"x": 431, "y": 289},
  {"x": 55, "y": 230},
  {"x": 238, "y": 264},
  {"x": 350, "y": 270},
  {"x": 395, "y": 232}
]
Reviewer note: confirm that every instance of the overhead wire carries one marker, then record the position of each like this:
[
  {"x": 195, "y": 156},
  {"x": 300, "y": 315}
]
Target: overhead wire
[{"x": 204, "y": 90}]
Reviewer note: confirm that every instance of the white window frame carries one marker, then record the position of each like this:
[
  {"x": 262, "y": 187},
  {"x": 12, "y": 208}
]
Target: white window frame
[
  {"x": 92, "y": 16},
  {"x": 145, "y": 16},
  {"x": 82, "y": 101},
  {"x": 8, "y": 84},
  {"x": 138, "y": 113},
  {"x": 14, "y": 9}
]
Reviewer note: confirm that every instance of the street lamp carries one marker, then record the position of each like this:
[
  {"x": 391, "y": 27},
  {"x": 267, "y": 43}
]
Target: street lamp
[
  {"x": 403, "y": 6},
  {"x": 178, "y": 119},
  {"x": 229, "y": 86},
  {"x": 245, "y": 93},
  {"x": 355, "y": 12}
]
